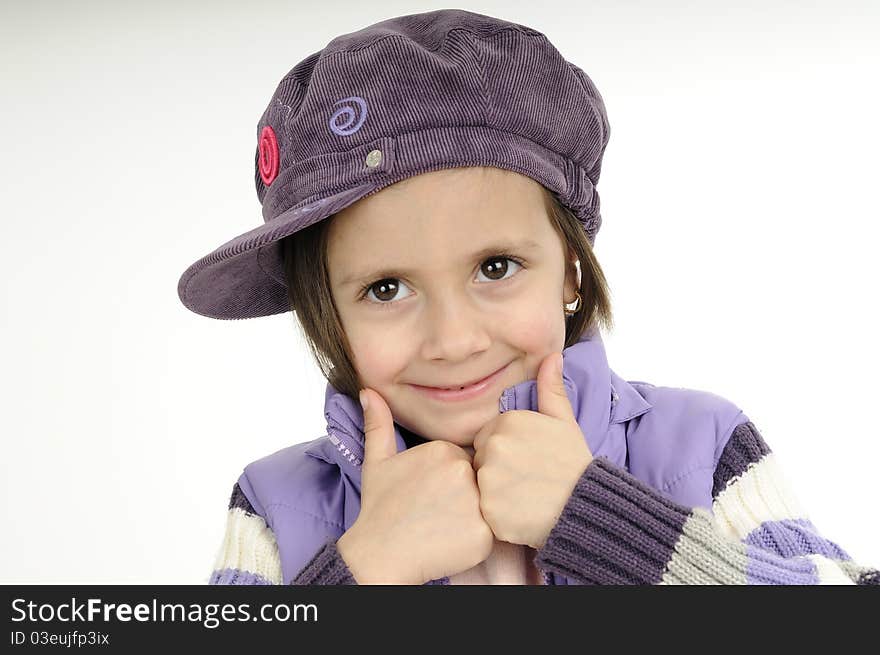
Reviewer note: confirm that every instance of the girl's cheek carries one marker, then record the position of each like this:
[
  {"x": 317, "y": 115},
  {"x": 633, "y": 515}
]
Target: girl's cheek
[
  {"x": 540, "y": 329},
  {"x": 379, "y": 358}
]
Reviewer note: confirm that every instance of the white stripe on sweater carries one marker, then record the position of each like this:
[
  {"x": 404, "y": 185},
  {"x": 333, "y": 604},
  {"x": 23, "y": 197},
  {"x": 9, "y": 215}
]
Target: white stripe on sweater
[
  {"x": 249, "y": 545},
  {"x": 829, "y": 572},
  {"x": 760, "y": 494}
]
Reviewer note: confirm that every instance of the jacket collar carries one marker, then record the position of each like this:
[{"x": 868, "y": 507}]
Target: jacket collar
[{"x": 598, "y": 396}]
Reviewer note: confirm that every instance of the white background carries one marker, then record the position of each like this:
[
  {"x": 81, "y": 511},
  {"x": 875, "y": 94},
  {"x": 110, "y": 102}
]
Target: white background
[{"x": 739, "y": 197}]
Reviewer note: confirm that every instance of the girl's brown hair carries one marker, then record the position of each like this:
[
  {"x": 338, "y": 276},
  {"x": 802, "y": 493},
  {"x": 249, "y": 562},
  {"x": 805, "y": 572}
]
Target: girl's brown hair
[{"x": 308, "y": 283}]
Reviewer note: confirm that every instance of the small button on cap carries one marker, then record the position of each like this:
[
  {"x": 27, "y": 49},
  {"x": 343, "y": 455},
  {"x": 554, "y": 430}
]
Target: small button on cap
[{"x": 374, "y": 158}]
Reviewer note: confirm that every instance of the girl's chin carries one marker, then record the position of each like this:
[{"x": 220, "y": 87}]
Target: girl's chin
[
  {"x": 460, "y": 432},
  {"x": 461, "y": 441}
]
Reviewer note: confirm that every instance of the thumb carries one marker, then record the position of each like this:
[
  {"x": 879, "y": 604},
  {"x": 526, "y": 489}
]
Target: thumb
[
  {"x": 379, "y": 441},
  {"x": 552, "y": 397}
]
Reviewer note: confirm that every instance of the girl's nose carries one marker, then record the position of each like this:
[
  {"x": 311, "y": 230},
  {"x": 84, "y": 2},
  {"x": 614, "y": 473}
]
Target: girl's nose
[{"x": 454, "y": 330}]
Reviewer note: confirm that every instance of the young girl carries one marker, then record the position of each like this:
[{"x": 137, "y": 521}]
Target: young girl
[{"x": 428, "y": 190}]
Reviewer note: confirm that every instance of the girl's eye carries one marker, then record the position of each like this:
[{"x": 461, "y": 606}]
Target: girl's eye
[
  {"x": 385, "y": 289},
  {"x": 498, "y": 266},
  {"x": 495, "y": 268}
]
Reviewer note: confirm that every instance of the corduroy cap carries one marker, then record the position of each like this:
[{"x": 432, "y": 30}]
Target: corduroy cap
[{"x": 401, "y": 97}]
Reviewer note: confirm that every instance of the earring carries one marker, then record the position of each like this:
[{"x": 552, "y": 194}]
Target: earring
[{"x": 569, "y": 312}]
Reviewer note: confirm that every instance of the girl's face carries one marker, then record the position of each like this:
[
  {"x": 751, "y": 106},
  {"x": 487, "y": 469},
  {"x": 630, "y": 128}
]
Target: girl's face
[{"x": 445, "y": 278}]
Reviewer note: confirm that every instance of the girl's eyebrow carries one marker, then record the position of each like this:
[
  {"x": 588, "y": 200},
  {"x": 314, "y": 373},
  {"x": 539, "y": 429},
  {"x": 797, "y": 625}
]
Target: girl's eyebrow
[{"x": 403, "y": 271}]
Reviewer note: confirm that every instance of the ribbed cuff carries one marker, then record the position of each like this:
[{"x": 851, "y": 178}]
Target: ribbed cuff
[
  {"x": 615, "y": 529},
  {"x": 326, "y": 568}
]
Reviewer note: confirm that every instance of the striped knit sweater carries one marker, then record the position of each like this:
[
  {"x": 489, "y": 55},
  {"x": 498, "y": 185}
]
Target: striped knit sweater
[{"x": 615, "y": 529}]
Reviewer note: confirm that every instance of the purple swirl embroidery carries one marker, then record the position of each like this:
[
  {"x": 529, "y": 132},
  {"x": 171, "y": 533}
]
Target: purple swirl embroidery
[{"x": 349, "y": 113}]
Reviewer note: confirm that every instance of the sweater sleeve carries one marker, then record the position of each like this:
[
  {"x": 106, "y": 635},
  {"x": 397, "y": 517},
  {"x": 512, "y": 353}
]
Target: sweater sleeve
[
  {"x": 326, "y": 568},
  {"x": 249, "y": 553},
  {"x": 616, "y": 529}
]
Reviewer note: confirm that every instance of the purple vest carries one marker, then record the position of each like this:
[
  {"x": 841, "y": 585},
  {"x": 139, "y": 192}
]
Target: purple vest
[{"x": 669, "y": 437}]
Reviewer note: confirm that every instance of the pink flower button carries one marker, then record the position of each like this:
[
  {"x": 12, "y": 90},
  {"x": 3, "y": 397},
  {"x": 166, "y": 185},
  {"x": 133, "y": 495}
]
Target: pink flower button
[{"x": 269, "y": 157}]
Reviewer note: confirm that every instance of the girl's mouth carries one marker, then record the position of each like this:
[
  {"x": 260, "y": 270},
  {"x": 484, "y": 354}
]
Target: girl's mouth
[{"x": 465, "y": 393}]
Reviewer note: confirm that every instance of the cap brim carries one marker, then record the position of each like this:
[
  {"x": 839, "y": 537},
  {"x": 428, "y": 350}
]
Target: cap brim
[{"x": 244, "y": 278}]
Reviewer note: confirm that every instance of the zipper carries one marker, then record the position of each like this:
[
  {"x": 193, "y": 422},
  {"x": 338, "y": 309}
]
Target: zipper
[
  {"x": 345, "y": 450},
  {"x": 507, "y": 400}
]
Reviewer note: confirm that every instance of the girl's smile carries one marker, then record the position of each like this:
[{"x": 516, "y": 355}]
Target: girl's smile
[{"x": 467, "y": 393}]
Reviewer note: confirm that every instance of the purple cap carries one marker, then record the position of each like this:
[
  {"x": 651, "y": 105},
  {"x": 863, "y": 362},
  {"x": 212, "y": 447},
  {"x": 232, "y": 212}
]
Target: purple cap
[{"x": 404, "y": 96}]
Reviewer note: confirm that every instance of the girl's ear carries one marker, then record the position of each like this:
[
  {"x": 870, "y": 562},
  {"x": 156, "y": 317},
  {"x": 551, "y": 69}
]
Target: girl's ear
[{"x": 572, "y": 274}]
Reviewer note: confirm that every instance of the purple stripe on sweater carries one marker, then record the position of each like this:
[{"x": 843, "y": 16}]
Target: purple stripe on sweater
[
  {"x": 791, "y": 537},
  {"x": 745, "y": 447},
  {"x": 236, "y": 576},
  {"x": 238, "y": 499},
  {"x": 765, "y": 568},
  {"x": 327, "y": 567},
  {"x": 871, "y": 577}
]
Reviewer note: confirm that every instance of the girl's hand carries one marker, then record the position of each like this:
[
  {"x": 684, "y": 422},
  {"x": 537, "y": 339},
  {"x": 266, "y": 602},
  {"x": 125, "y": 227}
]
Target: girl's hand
[
  {"x": 420, "y": 509},
  {"x": 528, "y": 463}
]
